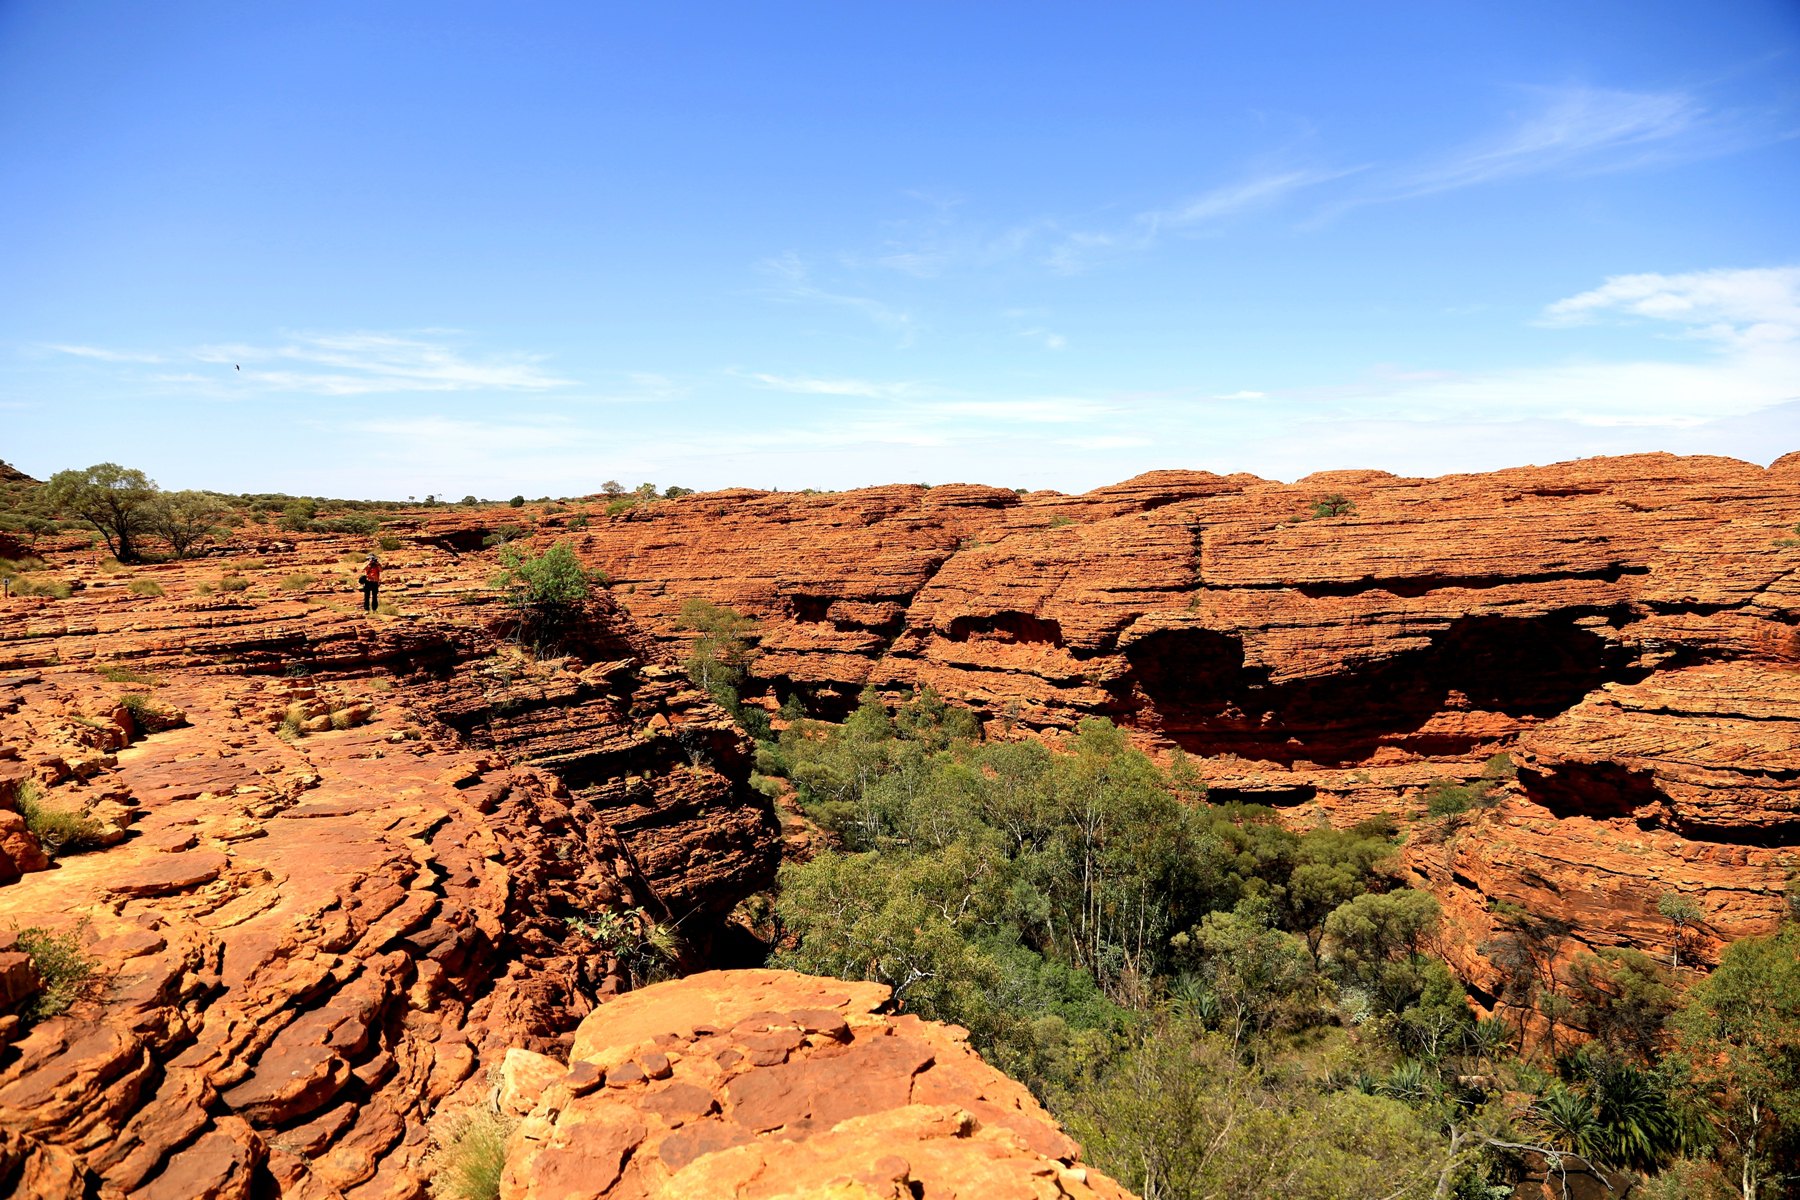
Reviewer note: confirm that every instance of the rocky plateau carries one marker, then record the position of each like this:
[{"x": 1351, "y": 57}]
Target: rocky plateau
[{"x": 350, "y": 859}]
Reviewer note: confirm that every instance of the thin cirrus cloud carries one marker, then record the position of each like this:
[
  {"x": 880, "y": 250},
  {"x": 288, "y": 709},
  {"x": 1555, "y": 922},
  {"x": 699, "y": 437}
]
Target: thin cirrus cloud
[
  {"x": 791, "y": 280},
  {"x": 102, "y": 354},
  {"x": 800, "y": 385},
  {"x": 1572, "y": 129},
  {"x": 335, "y": 364},
  {"x": 1575, "y": 129},
  {"x": 1746, "y": 320}
]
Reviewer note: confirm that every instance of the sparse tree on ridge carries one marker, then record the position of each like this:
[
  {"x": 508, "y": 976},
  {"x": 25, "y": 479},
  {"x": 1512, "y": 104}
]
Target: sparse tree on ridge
[
  {"x": 115, "y": 500},
  {"x": 186, "y": 518}
]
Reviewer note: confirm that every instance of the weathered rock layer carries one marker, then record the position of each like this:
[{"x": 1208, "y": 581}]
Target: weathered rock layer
[
  {"x": 1629, "y": 628},
  {"x": 351, "y": 876},
  {"x": 766, "y": 1085}
]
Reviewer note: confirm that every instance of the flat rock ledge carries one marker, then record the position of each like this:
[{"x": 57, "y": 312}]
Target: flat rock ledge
[{"x": 758, "y": 1085}]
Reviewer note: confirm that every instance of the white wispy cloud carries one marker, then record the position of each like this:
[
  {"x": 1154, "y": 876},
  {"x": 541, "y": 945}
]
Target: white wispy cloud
[
  {"x": 1577, "y": 129},
  {"x": 1748, "y": 321},
  {"x": 1047, "y": 338},
  {"x": 103, "y": 354},
  {"x": 1240, "y": 395},
  {"x": 792, "y": 281},
  {"x": 330, "y": 364},
  {"x": 801, "y": 385},
  {"x": 1742, "y": 308},
  {"x": 355, "y": 364},
  {"x": 1257, "y": 191},
  {"x": 1570, "y": 127}
]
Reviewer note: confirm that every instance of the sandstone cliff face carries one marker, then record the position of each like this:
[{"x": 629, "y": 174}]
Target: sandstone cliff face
[
  {"x": 1333, "y": 666},
  {"x": 303, "y": 944},
  {"x": 765, "y": 1085}
]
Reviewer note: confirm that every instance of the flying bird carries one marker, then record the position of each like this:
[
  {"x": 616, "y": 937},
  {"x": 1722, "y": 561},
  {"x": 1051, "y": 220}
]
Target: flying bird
[{"x": 235, "y": 367}]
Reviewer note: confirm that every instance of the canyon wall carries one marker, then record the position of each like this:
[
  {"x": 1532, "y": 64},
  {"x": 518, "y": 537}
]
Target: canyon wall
[
  {"x": 351, "y": 860},
  {"x": 352, "y": 866},
  {"x": 1627, "y": 629}
]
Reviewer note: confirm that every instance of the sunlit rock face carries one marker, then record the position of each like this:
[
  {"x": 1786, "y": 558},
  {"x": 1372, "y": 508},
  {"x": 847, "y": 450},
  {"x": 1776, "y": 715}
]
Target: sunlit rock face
[
  {"x": 1330, "y": 646},
  {"x": 754, "y": 1085},
  {"x": 342, "y": 867}
]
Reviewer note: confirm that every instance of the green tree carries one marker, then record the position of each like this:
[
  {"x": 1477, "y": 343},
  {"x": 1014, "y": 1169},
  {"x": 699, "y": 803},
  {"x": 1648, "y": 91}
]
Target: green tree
[
  {"x": 186, "y": 518},
  {"x": 298, "y": 515},
  {"x": 1682, "y": 913},
  {"x": 1379, "y": 938},
  {"x": 894, "y": 921},
  {"x": 719, "y": 655},
  {"x": 546, "y": 590},
  {"x": 1623, "y": 998},
  {"x": 1179, "y": 1117},
  {"x": 1259, "y": 977},
  {"x": 115, "y": 500},
  {"x": 1739, "y": 1040}
]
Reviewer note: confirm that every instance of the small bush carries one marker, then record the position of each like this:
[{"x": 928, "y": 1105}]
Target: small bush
[
  {"x": 149, "y": 716},
  {"x": 549, "y": 584},
  {"x": 233, "y": 583},
  {"x": 299, "y": 581},
  {"x": 1060, "y": 522},
  {"x": 468, "y": 1163},
  {"x": 52, "y": 589},
  {"x": 65, "y": 971},
  {"x": 389, "y": 543},
  {"x": 116, "y": 673},
  {"x": 1447, "y": 798},
  {"x": 60, "y": 830},
  {"x": 144, "y": 587},
  {"x": 1334, "y": 505},
  {"x": 205, "y": 589},
  {"x": 516, "y": 502},
  {"x": 361, "y": 526},
  {"x": 293, "y": 722}
]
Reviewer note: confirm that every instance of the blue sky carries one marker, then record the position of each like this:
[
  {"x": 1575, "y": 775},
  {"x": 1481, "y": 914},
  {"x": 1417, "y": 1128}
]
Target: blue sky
[{"x": 411, "y": 248}]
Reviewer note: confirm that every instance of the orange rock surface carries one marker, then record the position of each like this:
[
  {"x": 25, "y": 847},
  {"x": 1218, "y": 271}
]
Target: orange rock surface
[
  {"x": 303, "y": 944},
  {"x": 1331, "y": 665},
  {"x": 344, "y": 862},
  {"x": 767, "y": 1085}
]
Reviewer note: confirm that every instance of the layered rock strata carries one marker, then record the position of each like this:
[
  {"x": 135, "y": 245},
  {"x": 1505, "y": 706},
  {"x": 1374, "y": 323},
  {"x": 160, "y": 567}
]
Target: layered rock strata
[
  {"x": 1332, "y": 647},
  {"x": 349, "y": 864},
  {"x": 766, "y": 1085}
]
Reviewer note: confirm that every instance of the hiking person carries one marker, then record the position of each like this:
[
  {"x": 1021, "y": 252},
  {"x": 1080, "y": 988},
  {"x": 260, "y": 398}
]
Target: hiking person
[{"x": 371, "y": 583}]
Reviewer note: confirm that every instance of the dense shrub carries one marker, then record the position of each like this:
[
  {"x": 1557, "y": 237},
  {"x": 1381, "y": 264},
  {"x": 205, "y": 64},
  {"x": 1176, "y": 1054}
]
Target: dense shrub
[
  {"x": 65, "y": 972},
  {"x": 60, "y": 829},
  {"x": 149, "y": 716},
  {"x": 471, "y": 1157}
]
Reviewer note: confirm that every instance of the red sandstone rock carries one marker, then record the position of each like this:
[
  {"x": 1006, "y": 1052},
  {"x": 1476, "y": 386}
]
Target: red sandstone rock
[
  {"x": 771, "y": 1084},
  {"x": 1332, "y": 666},
  {"x": 303, "y": 946}
]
